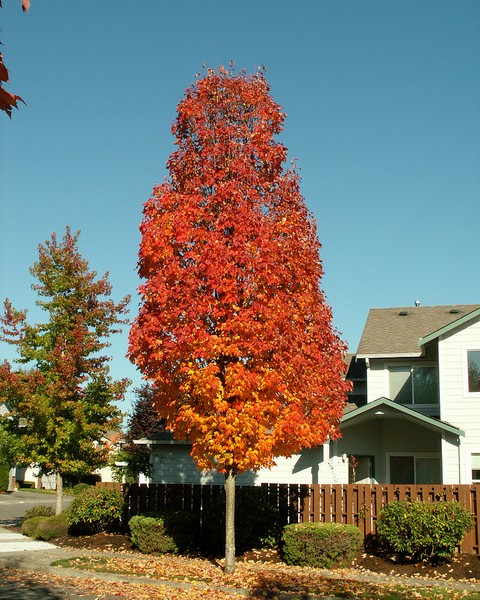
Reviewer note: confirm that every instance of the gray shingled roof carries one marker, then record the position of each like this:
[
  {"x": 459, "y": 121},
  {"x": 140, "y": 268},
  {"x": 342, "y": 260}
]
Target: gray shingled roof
[{"x": 396, "y": 331}]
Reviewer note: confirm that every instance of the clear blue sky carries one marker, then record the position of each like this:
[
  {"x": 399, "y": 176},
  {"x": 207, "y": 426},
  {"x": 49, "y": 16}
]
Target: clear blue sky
[{"x": 383, "y": 105}]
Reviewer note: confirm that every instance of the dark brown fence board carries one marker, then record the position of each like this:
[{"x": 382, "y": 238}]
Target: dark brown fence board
[{"x": 354, "y": 504}]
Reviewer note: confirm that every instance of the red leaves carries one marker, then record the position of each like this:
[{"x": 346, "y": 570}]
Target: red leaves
[
  {"x": 233, "y": 328},
  {"x": 8, "y": 101}
]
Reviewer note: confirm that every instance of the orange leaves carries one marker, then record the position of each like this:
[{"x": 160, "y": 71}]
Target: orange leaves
[{"x": 233, "y": 327}]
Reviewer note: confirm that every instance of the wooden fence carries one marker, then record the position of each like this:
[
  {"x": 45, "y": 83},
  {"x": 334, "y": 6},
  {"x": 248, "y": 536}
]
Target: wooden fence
[{"x": 353, "y": 504}]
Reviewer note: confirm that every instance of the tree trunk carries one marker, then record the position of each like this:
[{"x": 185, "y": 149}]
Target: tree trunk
[
  {"x": 230, "y": 521},
  {"x": 11, "y": 480},
  {"x": 58, "y": 506}
]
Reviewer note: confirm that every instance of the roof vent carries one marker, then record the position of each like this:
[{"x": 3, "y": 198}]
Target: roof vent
[
  {"x": 403, "y": 313},
  {"x": 454, "y": 311},
  {"x": 417, "y": 302}
]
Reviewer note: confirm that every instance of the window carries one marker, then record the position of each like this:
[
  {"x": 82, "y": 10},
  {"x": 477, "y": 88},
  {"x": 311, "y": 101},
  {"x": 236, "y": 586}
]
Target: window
[
  {"x": 473, "y": 368},
  {"x": 415, "y": 469},
  {"x": 414, "y": 385},
  {"x": 475, "y": 468}
]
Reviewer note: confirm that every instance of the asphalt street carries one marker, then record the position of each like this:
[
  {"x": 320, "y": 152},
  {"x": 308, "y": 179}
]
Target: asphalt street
[{"x": 13, "y": 505}]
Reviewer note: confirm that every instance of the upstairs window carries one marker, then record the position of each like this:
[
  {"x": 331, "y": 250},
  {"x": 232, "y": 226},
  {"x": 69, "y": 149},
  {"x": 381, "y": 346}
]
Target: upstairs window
[
  {"x": 414, "y": 385},
  {"x": 473, "y": 367}
]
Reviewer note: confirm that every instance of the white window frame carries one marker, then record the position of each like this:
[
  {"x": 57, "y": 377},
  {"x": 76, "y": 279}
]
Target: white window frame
[
  {"x": 469, "y": 464},
  {"x": 411, "y": 365},
  {"x": 466, "y": 350},
  {"x": 415, "y": 455}
]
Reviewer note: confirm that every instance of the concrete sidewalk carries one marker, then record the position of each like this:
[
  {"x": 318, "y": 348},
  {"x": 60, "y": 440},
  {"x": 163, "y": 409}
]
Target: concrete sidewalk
[{"x": 16, "y": 542}]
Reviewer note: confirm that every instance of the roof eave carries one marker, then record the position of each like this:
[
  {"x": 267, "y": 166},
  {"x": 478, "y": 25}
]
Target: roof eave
[
  {"x": 149, "y": 442},
  {"x": 392, "y": 355},
  {"x": 443, "y": 330}
]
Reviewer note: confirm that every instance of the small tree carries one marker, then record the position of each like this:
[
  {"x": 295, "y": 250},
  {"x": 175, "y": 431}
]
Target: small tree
[
  {"x": 143, "y": 422},
  {"x": 233, "y": 329},
  {"x": 65, "y": 400}
]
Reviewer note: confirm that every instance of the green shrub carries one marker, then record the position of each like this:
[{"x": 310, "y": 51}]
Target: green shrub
[
  {"x": 30, "y": 525},
  {"x": 78, "y": 488},
  {"x": 38, "y": 511},
  {"x": 95, "y": 510},
  {"x": 52, "y": 527},
  {"x": 168, "y": 532},
  {"x": 4, "y": 474},
  {"x": 320, "y": 545},
  {"x": 423, "y": 530}
]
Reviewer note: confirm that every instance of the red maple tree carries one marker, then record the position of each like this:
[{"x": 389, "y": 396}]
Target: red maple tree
[
  {"x": 8, "y": 101},
  {"x": 233, "y": 329}
]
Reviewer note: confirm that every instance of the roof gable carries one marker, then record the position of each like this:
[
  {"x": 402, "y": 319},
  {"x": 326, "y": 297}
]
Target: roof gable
[
  {"x": 397, "y": 331},
  {"x": 383, "y": 407},
  {"x": 447, "y": 328}
]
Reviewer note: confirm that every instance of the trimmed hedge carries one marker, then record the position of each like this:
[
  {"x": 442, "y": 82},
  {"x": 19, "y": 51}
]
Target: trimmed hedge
[
  {"x": 39, "y": 511},
  {"x": 30, "y": 525},
  {"x": 52, "y": 527},
  {"x": 168, "y": 532},
  {"x": 423, "y": 530},
  {"x": 96, "y": 510},
  {"x": 320, "y": 545}
]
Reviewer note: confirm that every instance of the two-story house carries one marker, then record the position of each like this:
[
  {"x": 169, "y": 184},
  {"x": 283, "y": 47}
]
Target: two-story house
[
  {"x": 413, "y": 415},
  {"x": 416, "y": 378}
]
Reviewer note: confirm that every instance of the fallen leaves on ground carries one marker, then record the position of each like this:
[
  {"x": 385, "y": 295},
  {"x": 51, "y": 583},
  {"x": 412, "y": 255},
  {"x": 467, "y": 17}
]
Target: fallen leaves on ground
[
  {"x": 258, "y": 578},
  {"x": 18, "y": 585}
]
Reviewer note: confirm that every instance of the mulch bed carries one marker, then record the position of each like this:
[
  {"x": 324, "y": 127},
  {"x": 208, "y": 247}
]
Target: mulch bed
[{"x": 463, "y": 567}]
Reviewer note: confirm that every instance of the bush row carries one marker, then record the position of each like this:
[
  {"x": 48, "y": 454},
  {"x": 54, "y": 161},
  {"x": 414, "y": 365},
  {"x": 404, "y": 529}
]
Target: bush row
[
  {"x": 4, "y": 473},
  {"x": 46, "y": 528},
  {"x": 409, "y": 530},
  {"x": 418, "y": 531}
]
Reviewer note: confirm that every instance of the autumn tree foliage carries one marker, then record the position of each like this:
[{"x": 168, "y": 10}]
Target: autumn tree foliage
[
  {"x": 233, "y": 329},
  {"x": 8, "y": 101},
  {"x": 64, "y": 394}
]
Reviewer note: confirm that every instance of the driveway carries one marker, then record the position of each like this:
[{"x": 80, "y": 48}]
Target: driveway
[{"x": 14, "y": 504}]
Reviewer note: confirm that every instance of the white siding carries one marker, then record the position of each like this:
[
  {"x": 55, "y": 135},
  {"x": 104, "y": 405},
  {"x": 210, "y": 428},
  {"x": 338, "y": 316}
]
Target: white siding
[
  {"x": 457, "y": 406},
  {"x": 376, "y": 380},
  {"x": 173, "y": 464}
]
